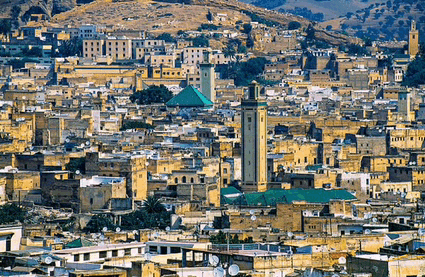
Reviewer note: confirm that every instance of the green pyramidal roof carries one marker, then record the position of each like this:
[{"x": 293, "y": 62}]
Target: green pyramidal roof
[
  {"x": 189, "y": 97},
  {"x": 80, "y": 242}
]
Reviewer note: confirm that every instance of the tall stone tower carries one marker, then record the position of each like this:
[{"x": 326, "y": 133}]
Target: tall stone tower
[
  {"x": 403, "y": 110},
  {"x": 207, "y": 77},
  {"x": 413, "y": 40},
  {"x": 254, "y": 141}
]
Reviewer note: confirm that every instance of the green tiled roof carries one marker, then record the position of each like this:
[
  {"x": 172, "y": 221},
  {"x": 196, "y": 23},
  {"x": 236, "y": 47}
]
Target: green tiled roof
[
  {"x": 229, "y": 190},
  {"x": 189, "y": 97},
  {"x": 79, "y": 243},
  {"x": 275, "y": 196}
]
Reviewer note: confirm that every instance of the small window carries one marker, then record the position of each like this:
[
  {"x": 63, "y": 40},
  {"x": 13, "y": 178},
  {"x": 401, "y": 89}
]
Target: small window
[
  {"x": 127, "y": 252},
  {"x": 86, "y": 256},
  {"x": 114, "y": 253},
  {"x": 103, "y": 254},
  {"x": 249, "y": 119},
  {"x": 77, "y": 258}
]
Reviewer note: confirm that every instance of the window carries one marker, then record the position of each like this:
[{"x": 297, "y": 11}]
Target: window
[
  {"x": 76, "y": 258},
  {"x": 249, "y": 119},
  {"x": 224, "y": 170},
  {"x": 184, "y": 179},
  {"x": 86, "y": 256},
  {"x": 114, "y": 253},
  {"x": 103, "y": 254},
  {"x": 127, "y": 252},
  {"x": 191, "y": 180},
  {"x": 8, "y": 243}
]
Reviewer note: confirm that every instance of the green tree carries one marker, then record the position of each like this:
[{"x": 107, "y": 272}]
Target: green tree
[
  {"x": 294, "y": 25},
  {"x": 72, "y": 47},
  {"x": 9, "y": 213},
  {"x": 415, "y": 73},
  {"x": 167, "y": 37},
  {"x": 77, "y": 164},
  {"x": 20, "y": 63},
  {"x": 220, "y": 238},
  {"x": 247, "y": 28},
  {"x": 153, "y": 94},
  {"x": 201, "y": 41},
  {"x": 5, "y": 26},
  {"x": 152, "y": 215},
  {"x": 33, "y": 52},
  {"x": 15, "y": 12},
  {"x": 97, "y": 223},
  {"x": 152, "y": 204},
  {"x": 136, "y": 125}
]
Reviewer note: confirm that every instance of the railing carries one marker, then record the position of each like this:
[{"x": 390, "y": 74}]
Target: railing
[{"x": 248, "y": 246}]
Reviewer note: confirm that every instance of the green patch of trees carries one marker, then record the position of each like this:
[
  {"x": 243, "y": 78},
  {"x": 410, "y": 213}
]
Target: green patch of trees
[
  {"x": 415, "y": 74},
  {"x": 77, "y": 164},
  {"x": 167, "y": 37},
  {"x": 152, "y": 215},
  {"x": 243, "y": 73},
  {"x": 153, "y": 94},
  {"x": 9, "y": 213},
  {"x": 294, "y": 25},
  {"x": 136, "y": 125},
  {"x": 221, "y": 238}
]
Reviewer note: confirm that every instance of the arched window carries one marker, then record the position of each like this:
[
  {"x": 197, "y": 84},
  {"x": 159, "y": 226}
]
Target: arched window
[
  {"x": 184, "y": 179},
  {"x": 191, "y": 180},
  {"x": 176, "y": 180}
]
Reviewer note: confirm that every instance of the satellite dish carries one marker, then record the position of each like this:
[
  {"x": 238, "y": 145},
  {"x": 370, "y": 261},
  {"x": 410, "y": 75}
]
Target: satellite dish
[
  {"x": 77, "y": 172},
  {"x": 290, "y": 234},
  {"x": 335, "y": 275},
  {"x": 213, "y": 260},
  {"x": 148, "y": 256},
  {"x": 135, "y": 232},
  {"x": 251, "y": 212},
  {"x": 101, "y": 243},
  {"x": 102, "y": 237},
  {"x": 88, "y": 143},
  {"x": 48, "y": 260},
  {"x": 167, "y": 228},
  {"x": 253, "y": 218},
  {"x": 57, "y": 240},
  {"x": 342, "y": 260},
  {"x": 118, "y": 229},
  {"x": 104, "y": 229},
  {"x": 219, "y": 272},
  {"x": 82, "y": 145},
  {"x": 421, "y": 232},
  {"x": 367, "y": 232},
  {"x": 374, "y": 220},
  {"x": 67, "y": 140},
  {"x": 233, "y": 270}
]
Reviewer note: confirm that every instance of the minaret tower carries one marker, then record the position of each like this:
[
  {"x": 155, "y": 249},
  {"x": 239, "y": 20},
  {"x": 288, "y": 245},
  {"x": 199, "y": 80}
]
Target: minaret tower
[
  {"x": 413, "y": 40},
  {"x": 254, "y": 140},
  {"x": 207, "y": 77}
]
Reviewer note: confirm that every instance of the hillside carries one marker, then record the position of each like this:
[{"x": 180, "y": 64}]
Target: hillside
[
  {"x": 385, "y": 21},
  {"x": 21, "y": 9},
  {"x": 317, "y": 10}
]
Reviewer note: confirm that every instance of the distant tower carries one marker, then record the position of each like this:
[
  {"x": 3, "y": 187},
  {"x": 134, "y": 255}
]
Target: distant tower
[
  {"x": 207, "y": 77},
  {"x": 413, "y": 40},
  {"x": 254, "y": 141},
  {"x": 404, "y": 106}
]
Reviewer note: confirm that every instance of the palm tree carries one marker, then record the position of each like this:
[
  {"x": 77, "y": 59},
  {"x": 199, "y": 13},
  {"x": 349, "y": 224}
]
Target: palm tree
[{"x": 153, "y": 205}]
